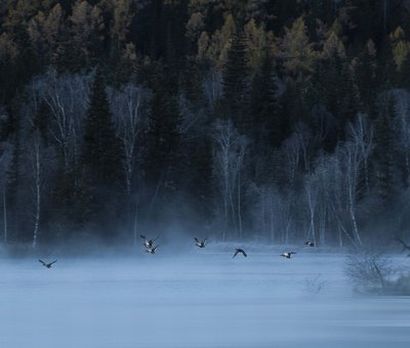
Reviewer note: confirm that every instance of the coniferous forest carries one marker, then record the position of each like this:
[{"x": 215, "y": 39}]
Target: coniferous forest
[{"x": 234, "y": 119}]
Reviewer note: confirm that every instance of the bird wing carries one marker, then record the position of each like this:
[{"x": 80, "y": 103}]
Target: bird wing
[
  {"x": 236, "y": 253},
  {"x": 196, "y": 239},
  {"x": 244, "y": 254},
  {"x": 143, "y": 237},
  {"x": 405, "y": 246},
  {"x": 52, "y": 263},
  {"x": 156, "y": 238},
  {"x": 42, "y": 262},
  {"x": 292, "y": 252}
]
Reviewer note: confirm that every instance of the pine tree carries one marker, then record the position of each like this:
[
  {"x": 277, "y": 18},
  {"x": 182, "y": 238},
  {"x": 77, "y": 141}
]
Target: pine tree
[
  {"x": 13, "y": 182},
  {"x": 333, "y": 87},
  {"x": 101, "y": 157},
  {"x": 386, "y": 170},
  {"x": 265, "y": 106},
  {"x": 403, "y": 77},
  {"x": 269, "y": 126},
  {"x": 162, "y": 139},
  {"x": 367, "y": 75},
  {"x": 236, "y": 84}
]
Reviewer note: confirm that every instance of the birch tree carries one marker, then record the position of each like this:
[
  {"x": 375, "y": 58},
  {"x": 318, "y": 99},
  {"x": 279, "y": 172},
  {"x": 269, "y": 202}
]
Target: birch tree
[
  {"x": 361, "y": 133},
  {"x": 128, "y": 107},
  {"x": 37, "y": 170},
  {"x": 312, "y": 194},
  {"x": 66, "y": 97},
  {"x": 402, "y": 125},
  {"x": 229, "y": 153}
]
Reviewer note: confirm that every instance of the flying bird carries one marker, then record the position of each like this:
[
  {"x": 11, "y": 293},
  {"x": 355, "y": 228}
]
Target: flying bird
[
  {"x": 200, "y": 243},
  {"x": 404, "y": 245},
  {"x": 239, "y": 251},
  {"x": 47, "y": 265},
  {"x": 288, "y": 254},
  {"x": 310, "y": 243},
  {"x": 148, "y": 243},
  {"x": 151, "y": 250}
]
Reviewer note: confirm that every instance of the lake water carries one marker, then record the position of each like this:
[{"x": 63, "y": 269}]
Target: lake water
[{"x": 196, "y": 299}]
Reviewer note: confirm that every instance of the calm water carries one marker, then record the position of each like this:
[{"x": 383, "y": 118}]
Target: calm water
[{"x": 200, "y": 299}]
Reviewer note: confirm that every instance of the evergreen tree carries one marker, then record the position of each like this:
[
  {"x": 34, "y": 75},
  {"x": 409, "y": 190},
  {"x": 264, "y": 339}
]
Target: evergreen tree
[
  {"x": 332, "y": 87},
  {"x": 236, "y": 84},
  {"x": 403, "y": 77},
  {"x": 269, "y": 126},
  {"x": 368, "y": 78},
  {"x": 101, "y": 158},
  {"x": 265, "y": 106},
  {"x": 162, "y": 140},
  {"x": 386, "y": 170},
  {"x": 13, "y": 181}
]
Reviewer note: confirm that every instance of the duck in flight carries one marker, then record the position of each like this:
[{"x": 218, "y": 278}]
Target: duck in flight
[
  {"x": 200, "y": 243},
  {"x": 148, "y": 243},
  {"x": 404, "y": 245},
  {"x": 239, "y": 251},
  {"x": 288, "y": 254},
  {"x": 151, "y": 250},
  {"x": 310, "y": 243},
  {"x": 47, "y": 265}
]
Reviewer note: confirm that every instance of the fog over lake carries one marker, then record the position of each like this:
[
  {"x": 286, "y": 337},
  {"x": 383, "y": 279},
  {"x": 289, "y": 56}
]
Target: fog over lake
[{"x": 196, "y": 299}]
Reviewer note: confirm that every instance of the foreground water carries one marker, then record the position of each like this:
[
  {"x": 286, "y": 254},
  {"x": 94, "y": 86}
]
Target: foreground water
[{"x": 197, "y": 299}]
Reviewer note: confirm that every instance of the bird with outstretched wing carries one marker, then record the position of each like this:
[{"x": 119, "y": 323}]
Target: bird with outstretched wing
[
  {"x": 239, "y": 251},
  {"x": 47, "y": 265}
]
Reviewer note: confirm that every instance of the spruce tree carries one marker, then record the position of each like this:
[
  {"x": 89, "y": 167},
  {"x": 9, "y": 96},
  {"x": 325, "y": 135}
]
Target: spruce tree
[
  {"x": 384, "y": 159},
  {"x": 236, "y": 84},
  {"x": 367, "y": 75},
  {"x": 13, "y": 180},
  {"x": 101, "y": 157},
  {"x": 162, "y": 139},
  {"x": 265, "y": 106},
  {"x": 403, "y": 76},
  {"x": 269, "y": 127},
  {"x": 333, "y": 87}
]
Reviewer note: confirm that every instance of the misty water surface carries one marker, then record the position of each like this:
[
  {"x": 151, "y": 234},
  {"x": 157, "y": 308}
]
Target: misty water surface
[{"x": 197, "y": 299}]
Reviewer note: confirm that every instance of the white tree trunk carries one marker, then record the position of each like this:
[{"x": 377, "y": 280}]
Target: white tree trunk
[
  {"x": 5, "y": 237},
  {"x": 136, "y": 224},
  {"x": 239, "y": 205},
  {"x": 37, "y": 188},
  {"x": 351, "y": 199}
]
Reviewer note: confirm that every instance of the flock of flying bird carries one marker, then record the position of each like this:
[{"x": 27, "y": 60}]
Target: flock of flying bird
[{"x": 151, "y": 248}]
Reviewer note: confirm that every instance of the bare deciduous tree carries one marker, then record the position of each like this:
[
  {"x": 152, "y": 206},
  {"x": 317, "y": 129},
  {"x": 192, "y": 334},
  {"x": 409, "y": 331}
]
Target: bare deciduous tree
[
  {"x": 128, "y": 108},
  {"x": 67, "y": 99},
  {"x": 230, "y": 148}
]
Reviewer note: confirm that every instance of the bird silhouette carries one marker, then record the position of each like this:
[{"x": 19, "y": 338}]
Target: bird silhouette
[
  {"x": 239, "y": 251},
  {"x": 47, "y": 265},
  {"x": 310, "y": 243},
  {"x": 404, "y": 245},
  {"x": 151, "y": 250},
  {"x": 288, "y": 254},
  {"x": 148, "y": 243},
  {"x": 200, "y": 243}
]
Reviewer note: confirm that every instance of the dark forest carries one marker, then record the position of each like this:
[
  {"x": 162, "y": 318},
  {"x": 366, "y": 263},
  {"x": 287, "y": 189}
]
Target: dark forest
[{"x": 237, "y": 119}]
